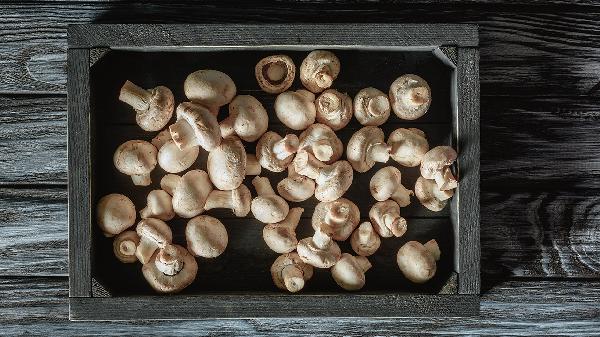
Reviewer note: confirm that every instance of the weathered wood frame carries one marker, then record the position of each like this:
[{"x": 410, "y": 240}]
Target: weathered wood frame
[{"x": 461, "y": 41}]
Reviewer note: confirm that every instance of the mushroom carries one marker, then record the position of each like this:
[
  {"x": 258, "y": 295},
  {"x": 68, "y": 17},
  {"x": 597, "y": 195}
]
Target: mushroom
[
  {"x": 417, "y": 261},
  {"x": 430, "y": 195},
  {"x": 237, "y": 200},
  {"x": 171, "y": 269},
  {"x": 226, "y": 164},
  {"x": 136, "y": 158},
  {"x": 436, "y": 165},
  {"x": 336, "y": 218},
  {"x": 387, "y": 184},
  {"x": 189, "y": 192},
  {"x": 210, "y": 88},
  {"x": 206, "y": 236},
  {"x": 318, "y": 70},
  {"x": 410, "y": 96},
  {"x": 296, "y": 187},
  {"x": 408, "y": 146},
  {"x": 367, "y": 146},
  {"x": 153, "y": 107},
  {"x": 296, "y": 109},
  {"x": 275, "y": 153},
  {"x": 334, "y": 109},
  {"x": 173, "y": 160},
  {"x": 114, "y": 214},
  {"x": 267, "y": 207},
  {"x": 281, "y": 236},
  {"x": 290, "y": 273},
  {"x": 319, "y": 250},
  {"x": 253, "y": 167},
  {"x": 154, "y": 234},
  {"x": 333, "y": 181},
  {"x": 247, "y": 119},
  {"x": 386, "y": 219},
  {"x": 159, "y": 206},
  {"x": 371, "y": 107},
  {"x": 124, "y": 246},
  {"x": 306, "y": 164},
  {"x": 275, "y": 73},
  {"x": 349, "y": 271},
  {"x": 161, "y": 138},
  {"x": 195, "y": 125},
  {"x": 322, "y": 142},
  {"x": 364, "y": 240}
]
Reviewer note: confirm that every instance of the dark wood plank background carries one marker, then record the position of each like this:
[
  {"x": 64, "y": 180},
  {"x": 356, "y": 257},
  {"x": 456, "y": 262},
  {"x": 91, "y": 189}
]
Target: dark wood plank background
[{"x": 540, "y": 162}]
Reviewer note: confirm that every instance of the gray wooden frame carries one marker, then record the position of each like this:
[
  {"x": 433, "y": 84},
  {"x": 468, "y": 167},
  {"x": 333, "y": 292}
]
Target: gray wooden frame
[{"x": 461, "y": 40}]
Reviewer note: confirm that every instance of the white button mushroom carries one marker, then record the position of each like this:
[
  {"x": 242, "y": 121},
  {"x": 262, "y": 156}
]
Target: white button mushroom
[
  {"x": 386, "y": 219},
  {"x": 124, "y": 246},
  {"x": 367, "y": 146},
  {"x": 136, "y": 158},
  {"x": 247, "y": 119},
  {"x": 417, "y": 261},
  {"x": 364, "y": 240},
  {"x": 408, "y": 146},
  {"x": 267, "y": 207},
  {"x": 336, "y": 218},
  {"x": 296, "y": 109},
  {"x": 371, "y": 107},
  {"x": 189, "y": 192},
  {"x": 275, "y": 153},
  {"x": 436, "y": 165},
  {"x": 226, "y": 164},
  {"x": 159, "y": 206},
  {"x": 210, "y": 88},
  {"x": 333, "y": 181},
  {"x": 281, "y": 236},
  {"x": 206, "y": 236},
  {"x": 349, "y": 271},
  {"x": 319, "y": 250},
  {"x": 275, "y": 73},
  {"x": 195, "y": 125},
  {"x": 154, "y": 234},
  {"x": 410, "y": 96},
  {"x": 173, "y": 160},
  {"x": 306, "y": 164},
  {"x": 161, "y": 138},
  {"x": 387, "y": 184},
  {"x": 153, "y": 107},
  {"x": 318, "y": 70},
  {"x": 171, "y": 269},
  {"x": 290, "y": 273},
  {"x": 237, "y": 200},
  {"x": 322, "y": 142},
  {"x": 296, "y": 187},
  {"x": 334, "y": 109},
  {"x": 114, "y": 214},
  {"x": 430, "y": 195}
]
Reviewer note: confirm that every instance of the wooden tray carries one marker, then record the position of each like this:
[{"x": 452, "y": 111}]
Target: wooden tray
[{"x": 238, "y": 283}]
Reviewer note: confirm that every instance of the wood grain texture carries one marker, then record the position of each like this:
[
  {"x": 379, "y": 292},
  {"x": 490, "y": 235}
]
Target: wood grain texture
[{"x": 40, "y": 307}]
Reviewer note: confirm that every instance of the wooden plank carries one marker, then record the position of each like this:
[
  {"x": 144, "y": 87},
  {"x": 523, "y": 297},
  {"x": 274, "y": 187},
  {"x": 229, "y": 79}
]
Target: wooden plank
[
  {"x": 35, "y": 306},
  {"x": 538, "y": 3}
]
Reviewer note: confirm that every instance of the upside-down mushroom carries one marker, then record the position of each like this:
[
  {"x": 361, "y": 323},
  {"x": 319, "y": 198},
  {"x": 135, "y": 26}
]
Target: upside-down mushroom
[
  {"x": 365, "y": 241},
  {"x": 371, "y": 107},
  {"x": 386, "y": 219},
  {"x": 436, "y": 165},
  {"x": 318, "y": 70},
  {"x": 322, "y": 142},
  {"x": 337, "y": 218},
  {"x": 171, "y": 269},
  {"x": 290, "y": 273},
  {"x": 410, "y": 96},
  {"x": 274, "y": 152},
  {"x": 319, "y": 250},
  {"x": 334, "y": 109},
  {"x": 275, "y": 73},
  {"x": 430, "y": 195}
]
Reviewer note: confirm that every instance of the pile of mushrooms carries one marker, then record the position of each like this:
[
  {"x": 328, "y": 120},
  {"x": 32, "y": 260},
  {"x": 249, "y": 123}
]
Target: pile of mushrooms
[{"x": 314, "y": 161}]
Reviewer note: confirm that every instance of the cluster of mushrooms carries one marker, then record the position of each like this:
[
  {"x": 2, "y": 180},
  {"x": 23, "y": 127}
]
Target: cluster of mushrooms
[{"x": 312, "y": 160}]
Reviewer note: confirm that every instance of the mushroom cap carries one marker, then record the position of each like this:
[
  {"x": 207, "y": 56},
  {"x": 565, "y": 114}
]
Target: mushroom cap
[
  {"x": 190, "y": 193},
  {"x": 416, "y": 262},
  {"x": 240, "y": 200},
  {"x": 322, "y": 142},
  {"x": 173, "y": 160},
  {"x": 269, "y": 208},
  {"x": 290, "y": 259},
  {"x": 226, "y": 164},
  {"x": 159, "y": 205},
  {"x": 206, "y": 236},
  {"x": 386, "y": 219},
  {"x": 124, "y": 246},
  {"x": 173, "y": 255},
  {"x": 318, "y": 70},
  {"x": 318, "y": 257},
  {"x": 359, "y": 151},
  {"x": 160, "y": 109},
  {"x": 265, "y": 152},
  {"x": 349, "y": 272},
  {"x": 337, "y": 218},
  {"x": 296, "y": 109},
  {"x": 135, "y": 157},
  {"x": 296, "y": 188},
  {"x": 154, "y": 234},
  {"x": 365, "y": 241},
  {"x": 210, "y": 88},
  {"x": 430, "y": 195},
  {"x": 115, "y": 213},
  {"x": 408, "y": 146},
  {"x": 371, "y": 107},
  {"x": 281, "y": 236},
  {"x": 333, "y": 181},
  {"x": 334, "y": 109},
  {"x": 436, "y": 162},
  {"x": 250, "y": 119},
  {"x": 202, "y": 123},
  {"x": 275, "y": 73},
  {"x": 161, "y": 138},
  {"x": 387, "y": 184},
  {"x": 410, "y": 96}
]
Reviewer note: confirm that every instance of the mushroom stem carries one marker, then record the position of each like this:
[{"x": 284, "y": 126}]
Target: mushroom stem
[
  {"x": 402, "y": 195},
  {"x": 292, "y": 219},
  {"x": 253, "y": 167},
  {"x": 321, "y": 240},
  {"x": 416, "y": 96},
  {"x": 127, "y": 247},
  {"x": 365, "y": 233},
  {"x": 378, "y": 106},
  {"x": 363, "y": 263},
  {"x": 445, "y": 180},
  {"x": 443, "y": 195},
  {"x": 167, "y": 262},
  {"x": 322, "y": 150},
  {"x": 324, "y": 78},
  {"x": 138, "y": 98},
  {"x": 396, "y": 224},
  {"x": 307, "y": 165},
  {"x": 182, "y": 134},
  {"x": 169, "y": 182},
  {"x": 227, "y": 126},
  {"x": 380, "y": 152},
  {"x": 263, "y": 186},
  {"x": 219, "y": 199},
  {"x": 285, "y": 147},
  {"x": 293, "y": 277},
  {"x": 433, "y": 248},
  {"x": 337, "y": 215},
  {"x": 141, "y": 179}
]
